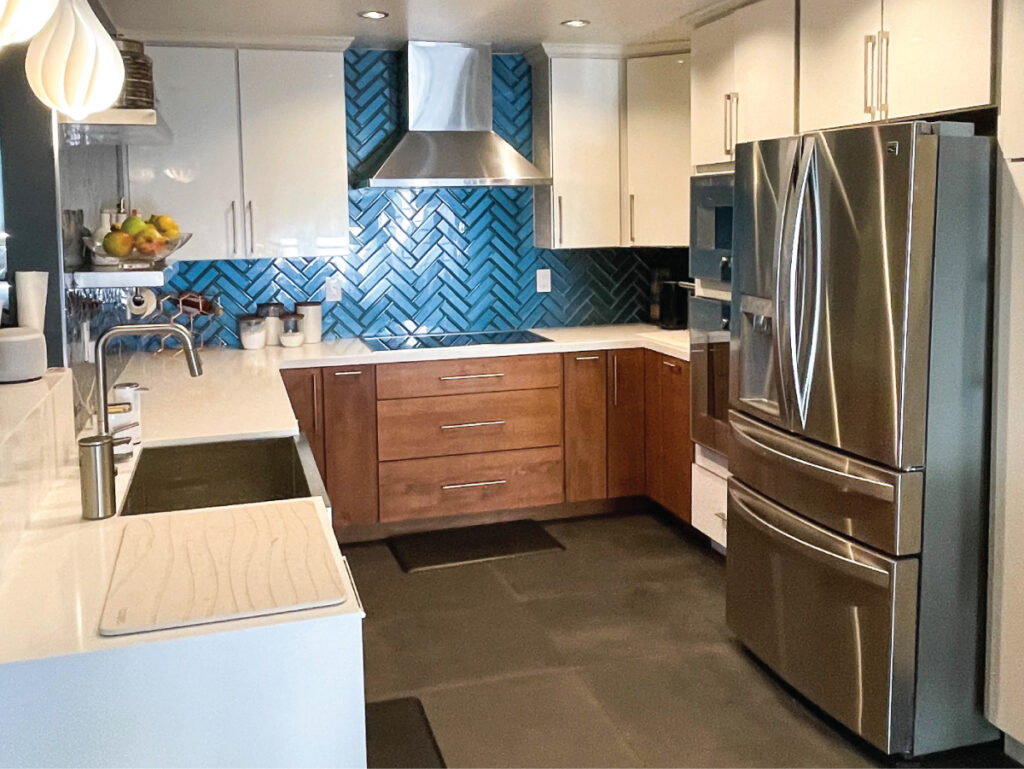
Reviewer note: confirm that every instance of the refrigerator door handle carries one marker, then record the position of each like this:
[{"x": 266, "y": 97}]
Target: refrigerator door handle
[{"x": 796, "y": 319}]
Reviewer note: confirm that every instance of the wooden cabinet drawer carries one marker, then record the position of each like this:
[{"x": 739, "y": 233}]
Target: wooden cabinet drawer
[
  {"x": 470, "y": 375},
  {"x": 412, "y": 428},
  {"x": 476, "y": 483}
]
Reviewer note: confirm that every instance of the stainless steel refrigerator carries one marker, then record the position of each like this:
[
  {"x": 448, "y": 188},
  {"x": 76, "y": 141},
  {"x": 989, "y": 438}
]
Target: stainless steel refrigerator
[{"x": 859, "y": 386}]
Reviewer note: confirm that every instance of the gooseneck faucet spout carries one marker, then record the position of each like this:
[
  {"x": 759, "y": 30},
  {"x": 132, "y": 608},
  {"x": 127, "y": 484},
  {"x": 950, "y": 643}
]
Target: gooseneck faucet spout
[
  {"x": 195, "y": 365},
  {"x": 96, "y": 452}
]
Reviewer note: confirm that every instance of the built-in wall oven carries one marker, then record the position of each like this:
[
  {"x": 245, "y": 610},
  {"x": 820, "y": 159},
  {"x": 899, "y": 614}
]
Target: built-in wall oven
[{"x": 709, "y": 373}]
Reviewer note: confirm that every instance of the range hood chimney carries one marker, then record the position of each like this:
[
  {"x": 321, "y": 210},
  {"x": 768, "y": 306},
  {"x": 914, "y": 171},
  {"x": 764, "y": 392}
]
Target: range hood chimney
[{"x": 450, "y": 142}]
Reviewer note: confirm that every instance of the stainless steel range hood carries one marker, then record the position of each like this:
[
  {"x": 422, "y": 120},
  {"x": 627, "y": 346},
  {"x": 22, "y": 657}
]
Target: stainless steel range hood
[{"x": 450, "y": 142}]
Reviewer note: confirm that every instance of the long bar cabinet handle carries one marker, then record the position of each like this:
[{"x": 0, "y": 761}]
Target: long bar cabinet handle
[
  {"x": 468, "y": 376},
  {"x": 347, "y": 373},
  {"x": 870, "y": 41},
  {"x": 450, "y": 486},
  {"x": 473, "y": 424}
]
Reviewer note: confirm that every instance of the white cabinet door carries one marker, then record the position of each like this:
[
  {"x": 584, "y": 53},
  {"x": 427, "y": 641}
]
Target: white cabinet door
[
  {"x": 938, "y": 55},
  {"x": 197, "y": 177},
  {"x": 658, "y": 150},
  {"x": 838, "y": 62},
  {"x": 1011, "y": 99},
  {"x": 712, "y": 82},
  {"x": 765, "y": 66},
  {"x": 294, "y": 153},
  {"x": 708, "y": 502},
  {"x": 585, "y": 115}
]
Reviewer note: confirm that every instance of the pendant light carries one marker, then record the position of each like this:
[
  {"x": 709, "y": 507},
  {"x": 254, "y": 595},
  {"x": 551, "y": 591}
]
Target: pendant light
[
  {"x": 20, "y": 19},
  {"x": 73, "y": 65}
]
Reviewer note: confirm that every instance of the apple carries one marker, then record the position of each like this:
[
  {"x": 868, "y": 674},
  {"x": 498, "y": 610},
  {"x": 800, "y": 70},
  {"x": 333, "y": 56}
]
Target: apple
[
  {"x": 118, "y": 243},
  {"x": 150, "y": 242}
]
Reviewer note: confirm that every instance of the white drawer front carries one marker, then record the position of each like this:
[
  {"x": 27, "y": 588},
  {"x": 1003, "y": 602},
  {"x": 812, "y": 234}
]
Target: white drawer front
[{"x": 709, "y": 502}]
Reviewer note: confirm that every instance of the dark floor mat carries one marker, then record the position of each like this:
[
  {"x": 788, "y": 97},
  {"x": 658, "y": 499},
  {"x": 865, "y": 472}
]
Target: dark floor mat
[
  {"x": 398, "y": 736},
  {"x": 437, "y": 549}
]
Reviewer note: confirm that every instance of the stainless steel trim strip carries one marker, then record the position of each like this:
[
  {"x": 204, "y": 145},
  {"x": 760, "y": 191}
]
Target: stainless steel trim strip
[
  {"x": 473, "y": 424},
  {"x": 451, "y": 486},
  {"x": 469, "y": 376}
]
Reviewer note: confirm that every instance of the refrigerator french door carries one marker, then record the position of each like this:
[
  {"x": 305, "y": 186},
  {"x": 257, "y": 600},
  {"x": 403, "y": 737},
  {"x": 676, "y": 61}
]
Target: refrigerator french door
[{"x": 858, "y": 395}]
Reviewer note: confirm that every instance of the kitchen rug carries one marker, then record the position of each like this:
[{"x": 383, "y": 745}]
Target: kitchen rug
[
  {"x": 398, "y": 736},
  {"x": 452, "y": 547}
]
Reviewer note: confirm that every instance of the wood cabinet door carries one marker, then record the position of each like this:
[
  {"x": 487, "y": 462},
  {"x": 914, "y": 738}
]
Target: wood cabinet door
[
  {"x": 296, "y": 200},
  {"x": 653, "y": 466},
  {"x": 586, "y": 453},
  {"x": 197, "y": 177},
  {"x": 305, "y": 391},
  {"x": 350, "y": 443},
  {"x": 625, "y": 399},
  {"x": 838, "y": 62},
  {"x": 676, "y": 446},
  {"x": 938, "y": 56},
  {"x": 712, "y": 79},
  {"x": 765, "y": 62},
  {"x": 658, "y": 154}
]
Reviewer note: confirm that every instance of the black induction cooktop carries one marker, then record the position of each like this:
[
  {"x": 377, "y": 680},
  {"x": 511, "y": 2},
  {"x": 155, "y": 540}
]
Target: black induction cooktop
[{"x": 416, "y": 342}]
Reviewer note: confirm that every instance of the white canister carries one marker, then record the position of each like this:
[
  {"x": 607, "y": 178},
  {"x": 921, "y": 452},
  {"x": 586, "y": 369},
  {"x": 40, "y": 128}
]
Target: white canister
[
  {"x": 272, "y": 311},
  {"x": 252, "y": 332},
  {"x": 311, "y": 324},
  {"x": 31, "y": 290}
]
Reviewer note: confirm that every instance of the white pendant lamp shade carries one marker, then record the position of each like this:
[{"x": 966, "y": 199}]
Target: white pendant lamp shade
[
  {"x": 20, "y": 19},
  {"x": 73, "y": 65}
]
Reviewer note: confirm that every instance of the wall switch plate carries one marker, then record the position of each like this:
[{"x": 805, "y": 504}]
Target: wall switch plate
[
  {"x": 543, "y": 281},
  {"x": 333, "y": 289}
]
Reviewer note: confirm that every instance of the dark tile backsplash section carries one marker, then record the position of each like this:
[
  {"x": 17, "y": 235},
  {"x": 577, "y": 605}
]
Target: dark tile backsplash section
[{"x": 432, "y": 260}]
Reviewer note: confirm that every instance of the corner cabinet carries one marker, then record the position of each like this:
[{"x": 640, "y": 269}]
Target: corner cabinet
[
  {"x": 658, "y": 150},
  {"x": 305, "y": 391},
  {"x": 743, "y": 80},
  {"x": 867, "y": 60},
  {"x": 576, "y": 137},
  {"x": 257, "y": 165},
  {"x": 668, "y": 446}
]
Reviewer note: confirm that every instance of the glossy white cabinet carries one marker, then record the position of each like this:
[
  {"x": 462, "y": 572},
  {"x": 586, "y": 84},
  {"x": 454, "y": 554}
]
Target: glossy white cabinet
[
  {"x": 577, "y": 110},
  {"x": 864, "y": 60},
  {"x": 708, "y": 513},
  {"x": 765, "y": 65},
  {"x": 294, "y": 153},
  {"x": 1011, "y": 100},
  {"x": 197, "y": 178},
  {"x": 743, "y": 82},
  {"x": 712, "y": 88},
  {"x": 936, "y": 55},
  {"x": 658, "y": 150}
]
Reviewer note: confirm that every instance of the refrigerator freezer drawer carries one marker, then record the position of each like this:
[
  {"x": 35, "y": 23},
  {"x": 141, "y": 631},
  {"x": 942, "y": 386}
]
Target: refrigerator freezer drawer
[
  {"x": 873, "y": 504},
  {"x": 834, "y": 619}
]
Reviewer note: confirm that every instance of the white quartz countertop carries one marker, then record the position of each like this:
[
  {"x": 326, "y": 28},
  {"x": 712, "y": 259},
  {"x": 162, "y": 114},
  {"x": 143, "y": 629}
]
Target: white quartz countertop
[
  {"x": 241, "y": 394},
  {"x": 53, "y": 588}
]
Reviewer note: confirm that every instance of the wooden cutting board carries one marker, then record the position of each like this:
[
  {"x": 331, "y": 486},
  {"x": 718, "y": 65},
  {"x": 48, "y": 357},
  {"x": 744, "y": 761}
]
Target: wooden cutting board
[{"x": 179, "y": 569}]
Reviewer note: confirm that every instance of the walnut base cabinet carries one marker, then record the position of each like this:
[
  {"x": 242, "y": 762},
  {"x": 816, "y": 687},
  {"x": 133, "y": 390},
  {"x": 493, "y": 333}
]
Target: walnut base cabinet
[
  {"x": 667, "y": 435},
  {"x": 625, "y": 400},
  {"x": 350, "y": 443},
  {"x": 586, "y": 443},
  {"x": 305, "y": 391}
]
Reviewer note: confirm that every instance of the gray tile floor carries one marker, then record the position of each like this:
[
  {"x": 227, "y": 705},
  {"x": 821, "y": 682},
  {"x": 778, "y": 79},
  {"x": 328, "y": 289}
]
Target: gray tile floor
[{"x": 612, "y": 653}]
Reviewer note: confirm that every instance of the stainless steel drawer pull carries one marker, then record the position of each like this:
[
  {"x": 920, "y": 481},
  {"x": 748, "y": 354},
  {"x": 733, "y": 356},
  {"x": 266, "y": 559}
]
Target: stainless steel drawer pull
[
  {"x": 589, "y": 357},
  {"x": 347, "y": 373},
  {"x": 669, "y": 364},
  {"x": 722, "y": 516},
  {"x": 469, "y": 376},
  {"x": 451, "y": 486},
  {"x": 473, "y": 424}
]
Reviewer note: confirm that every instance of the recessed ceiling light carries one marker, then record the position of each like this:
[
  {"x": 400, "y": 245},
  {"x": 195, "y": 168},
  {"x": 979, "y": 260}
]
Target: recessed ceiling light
[
  {"x": 575, "y": 23},
  {"x": 373, "y": 15}
]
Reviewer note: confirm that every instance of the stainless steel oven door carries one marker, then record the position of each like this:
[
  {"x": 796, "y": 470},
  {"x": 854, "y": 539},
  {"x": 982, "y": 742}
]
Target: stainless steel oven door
[
  {"x": 709, "y": 373},
  {"x": 833, "y": 618}
]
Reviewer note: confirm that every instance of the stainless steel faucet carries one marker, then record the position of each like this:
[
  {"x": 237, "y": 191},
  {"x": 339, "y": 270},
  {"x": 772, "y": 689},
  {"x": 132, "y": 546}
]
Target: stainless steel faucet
[{"x": 96, "y": 452}]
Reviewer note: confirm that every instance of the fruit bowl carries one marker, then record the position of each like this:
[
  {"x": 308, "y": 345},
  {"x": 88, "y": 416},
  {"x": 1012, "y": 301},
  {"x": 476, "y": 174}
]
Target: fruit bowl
[{"x": 136, "y": 259}]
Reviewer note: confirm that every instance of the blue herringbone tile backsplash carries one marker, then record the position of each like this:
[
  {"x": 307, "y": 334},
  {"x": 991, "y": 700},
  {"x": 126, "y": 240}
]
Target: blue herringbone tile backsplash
[{"x": 432, "y": 260}]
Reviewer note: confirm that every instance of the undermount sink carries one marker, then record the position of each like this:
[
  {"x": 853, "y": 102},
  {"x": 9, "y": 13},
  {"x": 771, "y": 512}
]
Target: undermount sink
[{"x": 199, "y": 475}]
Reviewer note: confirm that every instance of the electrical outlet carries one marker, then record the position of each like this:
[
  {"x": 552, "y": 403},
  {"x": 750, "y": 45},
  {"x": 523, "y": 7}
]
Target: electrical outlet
[
  {"x": 333, "y": 289},
  {"x": 543, "y": 281}
]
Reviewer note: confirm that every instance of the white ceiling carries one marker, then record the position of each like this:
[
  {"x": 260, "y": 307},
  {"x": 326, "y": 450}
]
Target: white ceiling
[{"x": 512, "y": 25}]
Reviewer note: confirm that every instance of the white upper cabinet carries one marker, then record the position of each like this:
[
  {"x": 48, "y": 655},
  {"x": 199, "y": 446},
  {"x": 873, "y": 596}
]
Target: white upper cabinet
[
  {"x": 838, "y": 58},
  {"x": 1011, "y": 100},
  {"x": 765, "y": 65},
  {"x": 197, "y": 178},
  {"x": 658, "y": 150},
  {"x": 864, "y": 60},
  {"x": 743, "y": 81},
  {"x": 712, "y": 88},
  {"x": 576, "y": 138},
  {"x": 294, "y": 152},
  {"x": 936, "y": 56}
]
